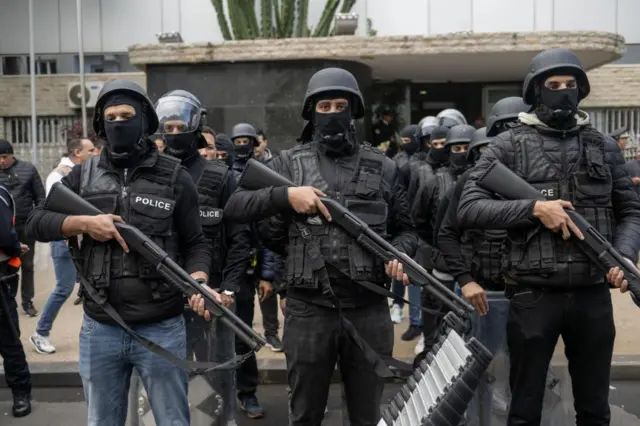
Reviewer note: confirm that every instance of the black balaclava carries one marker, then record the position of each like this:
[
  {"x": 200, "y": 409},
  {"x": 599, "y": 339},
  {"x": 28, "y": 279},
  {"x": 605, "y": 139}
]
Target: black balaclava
[
  {"x": 556, "y": 108},
  {"x": 182, "y": 145},
  {"x": 439, "y": 156},
  {"x": 458, "y": 161},
  {"x": 127, "y": 139},
  {"x": 244, "y": 152},
  {"x": 411, "y": 132},
  {"x": 223, "y": 143},
  {"x": 334, "y": 131}
]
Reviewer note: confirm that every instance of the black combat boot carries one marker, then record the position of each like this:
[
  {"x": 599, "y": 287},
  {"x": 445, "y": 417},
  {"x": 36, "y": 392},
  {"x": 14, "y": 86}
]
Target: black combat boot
[{"x": 21, "y": 405}]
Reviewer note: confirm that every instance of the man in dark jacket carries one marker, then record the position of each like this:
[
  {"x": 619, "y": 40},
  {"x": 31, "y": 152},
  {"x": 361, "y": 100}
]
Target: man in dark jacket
[
  {"x": 181, "y": 118},
  {"x": 23, "y": 181},
  {"x": 554, "y": 289},
  {"x": 16, "y": 369},
  {"x": 130, "y": 182},
  {"x": 322, "y": 272}
]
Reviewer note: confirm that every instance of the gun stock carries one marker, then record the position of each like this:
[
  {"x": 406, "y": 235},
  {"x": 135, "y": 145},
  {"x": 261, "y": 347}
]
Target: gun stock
[
  {"x": 257, "y": 176},
  {"x": 502, "y": 181},
  {"x": 63, "y": 200}
]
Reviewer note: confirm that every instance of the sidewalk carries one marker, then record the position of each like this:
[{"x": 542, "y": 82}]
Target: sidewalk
[{"x": 67, "y": 326}]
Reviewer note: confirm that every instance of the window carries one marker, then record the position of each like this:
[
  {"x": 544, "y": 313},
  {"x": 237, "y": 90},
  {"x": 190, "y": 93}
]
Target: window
[
  {"x": 49, "y": 130},
  {"x": 12, "y": 65},
  {"x": 492, "y": 94},
  {"x": 608, "y": 120},
  {"x": 44, "y": 66}
]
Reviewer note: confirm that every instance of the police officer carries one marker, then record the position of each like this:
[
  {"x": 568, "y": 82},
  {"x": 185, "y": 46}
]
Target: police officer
[
  {"x": 181, "y": 118},
  {"x": 131, "y": 182},
  {"x": 225, "y": 152},
  {"x": 504, "y": 114},
  {"x": 554, "y": 289},
  {"x": 16, "y": 369},
  {"x": 436, "y": 159},
  {"x": 410, "y": 145},
  {"x": 260, "y": 274},
  {"x": 24, "y": 182},
  {"x": 425, "y": 215},
  {"x": 366, "y": 182}
]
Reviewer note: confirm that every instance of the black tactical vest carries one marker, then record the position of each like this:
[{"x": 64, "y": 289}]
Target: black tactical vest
[
  {"x": 209, "y": 191},
  {"x": 537, "y": 256},
  {"x": 145, "y": 199},
  {"x": 483, "y": 251},
  {"x": 363, "y": 196}
]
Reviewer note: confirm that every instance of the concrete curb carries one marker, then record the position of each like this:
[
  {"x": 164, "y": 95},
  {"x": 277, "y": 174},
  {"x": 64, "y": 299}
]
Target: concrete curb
[{"x": 273, "y": 371}]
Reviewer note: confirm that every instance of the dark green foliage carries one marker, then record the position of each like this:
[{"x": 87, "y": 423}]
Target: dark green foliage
[{"x": 278, "y": 18}]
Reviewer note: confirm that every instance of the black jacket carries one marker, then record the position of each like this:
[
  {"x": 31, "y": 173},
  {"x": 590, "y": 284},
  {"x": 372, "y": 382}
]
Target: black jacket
[
  {"x": 125, "y": 294},
  {"x": 478, "y": 209},
  {"x": 24, "y": 183},
  {"x": 9, "y": 241},
  {"x": 271, "y": 205},
  {"x": 448, "y": 237},
  {"x": 237, "y": 236}
]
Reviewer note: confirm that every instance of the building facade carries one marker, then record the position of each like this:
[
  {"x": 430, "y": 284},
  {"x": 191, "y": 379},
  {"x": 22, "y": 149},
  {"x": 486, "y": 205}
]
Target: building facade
[{"x": 437, "y": 54}]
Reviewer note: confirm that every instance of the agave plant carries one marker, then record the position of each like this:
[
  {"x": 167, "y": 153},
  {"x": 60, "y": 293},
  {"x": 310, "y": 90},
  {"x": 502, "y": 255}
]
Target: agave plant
[{"x": 278, "y": 18}]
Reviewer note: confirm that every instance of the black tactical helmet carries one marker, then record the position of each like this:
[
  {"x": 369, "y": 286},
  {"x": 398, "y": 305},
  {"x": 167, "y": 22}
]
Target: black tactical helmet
[
  {"x": 333, "y": 79},
  {"x": 479, "y": 139},
  {"x": 462, "y": 133},
  {"x": 244, "y": 130},
  {"x": 184, "y": 106},
  {"x": 125, "y": 86},
  {"x": 556, "y": 61},
  {"x": 506, "y": 109},
  {"x": 453, "y": 114}
]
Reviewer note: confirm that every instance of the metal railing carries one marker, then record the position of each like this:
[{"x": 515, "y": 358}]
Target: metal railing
[
  {"x": 50, "y": 136},
  {"x": 608, "y": 120}
]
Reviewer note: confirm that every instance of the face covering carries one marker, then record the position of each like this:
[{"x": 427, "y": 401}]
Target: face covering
[
  {"x": 123, "y": 136},
  {"x": 412, "y": 147},
  {"x": 333, "y": 131},
  {"x": 243, "y": 152},
  {"x": 181, "y": 145},
  {"x": 557, "y": 108},
  {"x": 438, "y": 155},
  {"x": 458, "y": 161}
]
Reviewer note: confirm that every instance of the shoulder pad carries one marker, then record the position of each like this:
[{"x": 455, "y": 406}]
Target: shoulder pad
[{"x": 167, "y": 168}]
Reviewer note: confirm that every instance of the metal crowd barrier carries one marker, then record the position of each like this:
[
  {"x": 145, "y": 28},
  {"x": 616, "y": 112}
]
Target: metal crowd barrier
[{"x": 441, "y": 388}]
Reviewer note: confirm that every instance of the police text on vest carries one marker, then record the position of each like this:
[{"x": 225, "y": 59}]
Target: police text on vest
[{"x": 154, "y": 203}]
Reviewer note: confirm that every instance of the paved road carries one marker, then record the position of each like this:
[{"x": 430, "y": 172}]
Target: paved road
[{"x": 625, "y": 399}]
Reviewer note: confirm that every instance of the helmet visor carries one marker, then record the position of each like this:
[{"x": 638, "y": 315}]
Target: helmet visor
[{"x": 177, "y": 115}]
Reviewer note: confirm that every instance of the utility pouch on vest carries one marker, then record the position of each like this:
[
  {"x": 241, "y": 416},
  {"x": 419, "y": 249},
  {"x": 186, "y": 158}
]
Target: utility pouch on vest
[
  {"x": 531, "y": 251},
  {"x": 301, "y": 258},
  {"x": 152, "y": 215},
  {"x": 213, "y": 230},
  {"x": 364, "y": 265},
  {"x": 97, "y": 264}
]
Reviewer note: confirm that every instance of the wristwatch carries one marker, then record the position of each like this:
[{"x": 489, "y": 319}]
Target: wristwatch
[{"x": 228, "y": 293}]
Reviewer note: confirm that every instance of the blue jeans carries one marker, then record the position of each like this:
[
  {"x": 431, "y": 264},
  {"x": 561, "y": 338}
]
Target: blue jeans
[
  {"x": 415, "y": 317},
  {"x": 107, "y": 357},
  {"x": 490, "y": 401},
  {"x": 65, "y": 281}
]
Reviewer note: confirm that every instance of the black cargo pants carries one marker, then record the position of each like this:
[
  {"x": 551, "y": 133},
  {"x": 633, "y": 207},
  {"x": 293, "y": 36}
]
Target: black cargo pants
[
  {"x": 313, "y": 344},
  {"x": 247, "y": 373},
  {"x": 16, "y": 369},
  {"x": 584, "y": 319}
]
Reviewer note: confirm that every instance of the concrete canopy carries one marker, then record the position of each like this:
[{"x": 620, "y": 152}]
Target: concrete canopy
[{"x": 457, "y": 57}]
